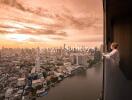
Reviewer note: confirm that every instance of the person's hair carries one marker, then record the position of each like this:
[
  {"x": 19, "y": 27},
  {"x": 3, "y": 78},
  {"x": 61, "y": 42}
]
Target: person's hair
[{"x": 115, "y": 45}]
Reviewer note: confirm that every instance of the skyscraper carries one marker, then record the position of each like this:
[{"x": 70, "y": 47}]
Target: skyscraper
[{"x": 37, "y": 61}]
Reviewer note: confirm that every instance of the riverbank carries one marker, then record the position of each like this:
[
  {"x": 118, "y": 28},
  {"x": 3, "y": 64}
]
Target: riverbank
[{"x": 85, "y": 85}]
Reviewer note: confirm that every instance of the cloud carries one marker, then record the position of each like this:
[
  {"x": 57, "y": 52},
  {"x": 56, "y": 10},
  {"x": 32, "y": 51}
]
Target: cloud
[
  {"x": 92, "y": 38},
  {"x": 44, "y": 39},
  {"x": 32, "y": 32},
  {"x": 61, "y": 22},
  {"x": 57, "y": 38},
  {"x": 63, "y": 18},
  {"x": 9, "y": 26},
  {"x": 34, "y": 40},
  {"x": 13, "y": 3}
]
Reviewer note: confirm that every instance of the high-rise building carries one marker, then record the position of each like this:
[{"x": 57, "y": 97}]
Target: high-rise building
[
  {"x": 37, "y": 61},
  {"x": 79, "y": 59},
  {"x": 64, "y": 46}
]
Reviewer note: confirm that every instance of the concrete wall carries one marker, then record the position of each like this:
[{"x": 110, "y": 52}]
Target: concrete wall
[
  {"x": 122, "y": 33},
  {"x": 118, "y": 27}
]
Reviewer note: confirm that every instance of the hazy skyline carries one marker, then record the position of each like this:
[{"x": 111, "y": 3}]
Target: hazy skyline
[{"x": 51, "y": 23}]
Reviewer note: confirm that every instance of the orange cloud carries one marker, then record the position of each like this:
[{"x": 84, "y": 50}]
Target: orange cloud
[{"x": 65, "y": 21}]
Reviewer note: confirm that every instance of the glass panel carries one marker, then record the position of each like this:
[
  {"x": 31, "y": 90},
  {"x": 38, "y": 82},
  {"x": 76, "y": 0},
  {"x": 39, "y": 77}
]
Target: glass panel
[{"x": 52, "y": 48}]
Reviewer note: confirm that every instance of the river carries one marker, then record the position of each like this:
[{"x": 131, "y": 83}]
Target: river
[{"x": 85, "y": 85}]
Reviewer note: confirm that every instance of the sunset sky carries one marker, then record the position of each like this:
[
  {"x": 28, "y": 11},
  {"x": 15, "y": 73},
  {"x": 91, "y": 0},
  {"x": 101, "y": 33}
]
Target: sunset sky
[{"x": 51, "y": 23}]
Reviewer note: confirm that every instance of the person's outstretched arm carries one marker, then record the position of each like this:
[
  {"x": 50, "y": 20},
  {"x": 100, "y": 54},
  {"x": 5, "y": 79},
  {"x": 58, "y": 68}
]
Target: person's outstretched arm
[{"x": 110, "y": 54}]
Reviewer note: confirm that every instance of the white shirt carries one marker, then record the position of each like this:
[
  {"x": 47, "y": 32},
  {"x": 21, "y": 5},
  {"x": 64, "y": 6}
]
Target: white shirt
[{"x": 114, "y": 56}]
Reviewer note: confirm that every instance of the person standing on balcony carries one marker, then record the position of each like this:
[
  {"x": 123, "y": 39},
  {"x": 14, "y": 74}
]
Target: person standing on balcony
[
  {"x": 112, "y": 60},
  {"x": 114, "y": 54}
]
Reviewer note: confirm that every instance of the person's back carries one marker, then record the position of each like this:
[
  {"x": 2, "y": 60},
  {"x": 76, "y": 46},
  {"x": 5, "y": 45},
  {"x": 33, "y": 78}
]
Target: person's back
[{"x": 114, "y": 54}]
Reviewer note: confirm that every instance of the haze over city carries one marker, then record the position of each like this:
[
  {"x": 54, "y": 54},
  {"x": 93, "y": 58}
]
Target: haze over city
[{"x": 51, "y": 23}]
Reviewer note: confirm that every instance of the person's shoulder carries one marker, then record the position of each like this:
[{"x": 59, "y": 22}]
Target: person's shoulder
[{"x": 115, "y": 50}]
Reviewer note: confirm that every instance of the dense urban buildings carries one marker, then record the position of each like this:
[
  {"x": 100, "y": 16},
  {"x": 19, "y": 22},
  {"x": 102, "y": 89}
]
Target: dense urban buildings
[{"x": 27, "y": 73}]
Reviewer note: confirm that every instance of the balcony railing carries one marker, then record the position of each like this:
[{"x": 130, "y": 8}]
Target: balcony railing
[{"x": 111, "y": 79}]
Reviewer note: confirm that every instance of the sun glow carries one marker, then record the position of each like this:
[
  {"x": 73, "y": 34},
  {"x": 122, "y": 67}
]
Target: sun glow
[{"x": 18, "y": 37}]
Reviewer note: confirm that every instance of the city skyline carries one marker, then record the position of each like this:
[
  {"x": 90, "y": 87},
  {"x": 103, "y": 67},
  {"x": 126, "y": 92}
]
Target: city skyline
[{"x": 51, "y": 23}]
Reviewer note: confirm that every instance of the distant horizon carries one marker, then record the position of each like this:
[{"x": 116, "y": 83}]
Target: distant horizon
[{"x": 61, "y": 46}]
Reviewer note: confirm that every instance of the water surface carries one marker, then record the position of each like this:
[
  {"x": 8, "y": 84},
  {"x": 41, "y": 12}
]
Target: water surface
[{"x": 85, "y": 85}]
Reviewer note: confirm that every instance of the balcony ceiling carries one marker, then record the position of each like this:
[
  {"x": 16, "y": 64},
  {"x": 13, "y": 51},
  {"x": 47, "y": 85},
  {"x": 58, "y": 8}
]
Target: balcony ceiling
[{"x": 118, "y": 8}]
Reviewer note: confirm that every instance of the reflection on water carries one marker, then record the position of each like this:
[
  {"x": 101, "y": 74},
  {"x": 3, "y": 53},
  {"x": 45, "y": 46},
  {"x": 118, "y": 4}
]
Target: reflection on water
[
  {"x": 85, "y": 85},
  {"x": 82, "y": 74}
]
